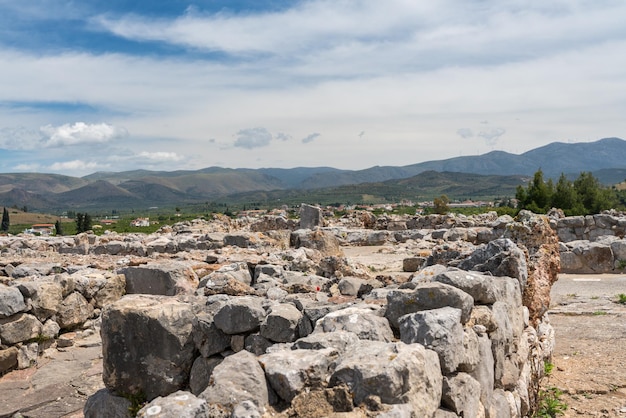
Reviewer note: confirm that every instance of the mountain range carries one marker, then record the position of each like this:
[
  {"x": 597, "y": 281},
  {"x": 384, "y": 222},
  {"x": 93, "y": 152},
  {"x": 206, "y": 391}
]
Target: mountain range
[{"x": 140, "y": 189}]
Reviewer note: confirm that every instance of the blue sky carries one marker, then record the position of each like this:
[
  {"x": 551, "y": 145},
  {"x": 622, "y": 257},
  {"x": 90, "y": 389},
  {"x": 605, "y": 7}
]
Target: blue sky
[{"x": 164, "y": 85}]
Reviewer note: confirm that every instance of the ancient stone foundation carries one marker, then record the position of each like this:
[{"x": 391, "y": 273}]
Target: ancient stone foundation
[{"x": 234, "y": 318}]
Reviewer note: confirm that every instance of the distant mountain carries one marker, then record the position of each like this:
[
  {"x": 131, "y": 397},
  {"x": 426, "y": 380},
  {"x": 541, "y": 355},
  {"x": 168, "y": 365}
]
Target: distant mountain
[{"x": 456, "y": 177}]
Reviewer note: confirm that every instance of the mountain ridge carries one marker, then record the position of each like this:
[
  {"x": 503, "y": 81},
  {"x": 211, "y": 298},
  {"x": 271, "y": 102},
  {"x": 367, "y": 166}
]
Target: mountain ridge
[{"x": 145, "y": 188}]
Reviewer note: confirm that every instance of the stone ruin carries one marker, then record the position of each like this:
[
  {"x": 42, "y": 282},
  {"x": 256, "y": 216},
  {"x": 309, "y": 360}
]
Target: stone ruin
[{"x": 255, "y": 317}]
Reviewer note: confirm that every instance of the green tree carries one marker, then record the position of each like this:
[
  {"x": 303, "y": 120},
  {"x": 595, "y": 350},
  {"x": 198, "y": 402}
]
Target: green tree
[
  {"x": 79, "y": 223},
  {"x": 538, "y": 194},
  {"x": 58, "y": 228},
  {"x": 87, "y": 222},
  {"x": 441, "y": 204},
  {"x": 565, "y": 197},
  {"x": 593, "y": 197},
  {"x": 5, "y": 220}
]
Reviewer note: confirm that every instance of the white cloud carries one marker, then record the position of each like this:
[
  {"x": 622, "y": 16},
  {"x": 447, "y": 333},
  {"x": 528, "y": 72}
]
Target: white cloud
[
  {"x": 32, "y": 167},
  {"x": 310, "y": 138},
  {"x": 161, "y": 156},
  {"x": 282, "y": 136},
  {"x": 253, "y": 138},
  {"x": 77, "y": 165},
  {"x": 491, "y": 136},
  {"x": 465, "y": 132},
  {"x": 19, "y": 138},
  {"x": 81, "y": 133}
]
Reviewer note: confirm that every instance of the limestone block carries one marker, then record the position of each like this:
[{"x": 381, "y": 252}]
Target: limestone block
[
  {"x": 104, "y": 404},
  {"x": 207, "y": 337},
  {"x": 45, "y": 296},
  {"x": 73, "y": 311},
  {"x": 338, "y": 340},
  {"x": 180, "y": 404},
  {"x": 289, "y": 372},
  {"x": 281, "y": 323},
  {"x": 238, "y": 378},
  {"x": 365, "y": 323},
  {"x": 200, "y": 374},
  {"x": 166, "y": 279},
  {"x": 461, "y": 394},
  {"x": 241, "y": 314},
  {"x": 11, "y": 301},
  {"x": 439, "y": 330},
  {"x": 479, "y": 286},
  {"x": 396, "y": 372},
  {"x": 132, "y": 362},
  {"x": 19, "y": 328},
  {"x": 427, "y": 296}
]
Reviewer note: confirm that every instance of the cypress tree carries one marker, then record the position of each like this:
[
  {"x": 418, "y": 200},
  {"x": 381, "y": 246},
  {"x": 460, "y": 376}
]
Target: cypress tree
[
  {"x": 58, "y": 228},
  {"x": 5, "y": 220}
]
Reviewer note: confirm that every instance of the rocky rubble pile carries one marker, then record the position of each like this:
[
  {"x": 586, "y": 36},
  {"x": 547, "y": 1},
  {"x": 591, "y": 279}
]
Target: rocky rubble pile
[{"x": 235, "y": 318}]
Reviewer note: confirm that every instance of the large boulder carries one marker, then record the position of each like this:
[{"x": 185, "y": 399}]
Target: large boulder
[
  {"x": 241, "y": 314},
  {"x": 427, "y": 296},
  {"x": 237, "y": 379},
  {"x": 500, "y": 257},
  {"x": 166, "y": 279},
  {"x": 179, "y": 404},
  {"x": 45, "y": 296},
  {"x": 289, "y": 372},
  {"x": 397, "y": 373},
  {"x": 439, "y": 330},
  {"x": 310, "y": 216},
  {"x": 323, "y": 241},
  {"x": 19, "y": 328},
  {"x": 281, "y": 323},
  {"x": 11, "y": 301},
  {"x": 147, "y": 345},
  {"x": 74, "y": 311},
  {"x": 363, "y": 322}
]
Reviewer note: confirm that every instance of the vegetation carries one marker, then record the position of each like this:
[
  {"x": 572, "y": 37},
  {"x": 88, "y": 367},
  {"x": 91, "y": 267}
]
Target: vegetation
[
  {"x": 4, "y": 227},
  {"x": 621, "y": 298},
  {"x": 58, "y": 227},
  {"x": 548, "y": 398},
  {"x": 440, "y": 204},
  {"x": 583, "y": 196},
  {"x": 83, "y": 222}
]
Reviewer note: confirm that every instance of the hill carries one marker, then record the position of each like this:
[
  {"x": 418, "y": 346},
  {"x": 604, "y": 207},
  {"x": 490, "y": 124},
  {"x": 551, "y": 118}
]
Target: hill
[{"x": 139, "y": 189}]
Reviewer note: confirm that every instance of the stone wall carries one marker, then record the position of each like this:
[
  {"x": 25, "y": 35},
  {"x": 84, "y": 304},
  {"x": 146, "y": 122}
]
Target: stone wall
[{"x": 232, "y": 318}]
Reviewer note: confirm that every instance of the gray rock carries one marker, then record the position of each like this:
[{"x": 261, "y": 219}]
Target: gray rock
[
  {"x": 19, "y": 328},
  {"x": 501, "y": 257},
  {"x": 246, "y": 409},
  {"x": 207, "y": 337},
  {"x": 350, "y": 286},
  {"x": 166, "y": 279},
  {"x": 179, "y": 404},
  {"x": 338, "y": 340},
  {"x": 132, "y": 362},
  {"x": 427, "y": 296},
  {"x": 45, "y": 296},
  {"x": 413, "y": 264},
  {"x": 8, "y": 359},
  {"x": 73, "y": 311},
  {"x": 257, "y": 344},
  {"x": 395, "y": 372},
  {"x": 365, "y": 323},
  {"x": 241, "y": 314},
  {"x": 310, "y": 216},
  {"x": 281, "y": 323},
  {"x": 238, "y": 240},
  {"x": 439, "y": 330},
  {"x": 238, "y": 378},
  {"x": 479, "y": 286},
  {"x": 11, "y": 301},
  {"x": 289, "y": 372},
  {"x": 461, "y": 394},
  {"x": 484, "y": 370},
  {"x": 103, "y": 404},
  {"x": 321, "y": 240},
  {"x": 27, "y": 355},
  {"x": 201, "y": 371}
]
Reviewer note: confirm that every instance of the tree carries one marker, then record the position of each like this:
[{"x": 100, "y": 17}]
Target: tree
[
  {"x": 87, "y": 222},
  {"x": 5, "y": 220},
  {"x": 58, "y": 228},
  {"x": 441, "y": 204},
  {"x": 565, "y": 197},
  {"x": 79, "y": 223}
]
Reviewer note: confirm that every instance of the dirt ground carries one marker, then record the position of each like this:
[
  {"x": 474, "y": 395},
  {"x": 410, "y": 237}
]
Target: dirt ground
[{"x": 590, "y": 352}]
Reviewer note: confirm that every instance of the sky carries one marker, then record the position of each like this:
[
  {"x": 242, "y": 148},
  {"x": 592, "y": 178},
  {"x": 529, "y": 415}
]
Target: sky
[{"x": 118, "y": 85}]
